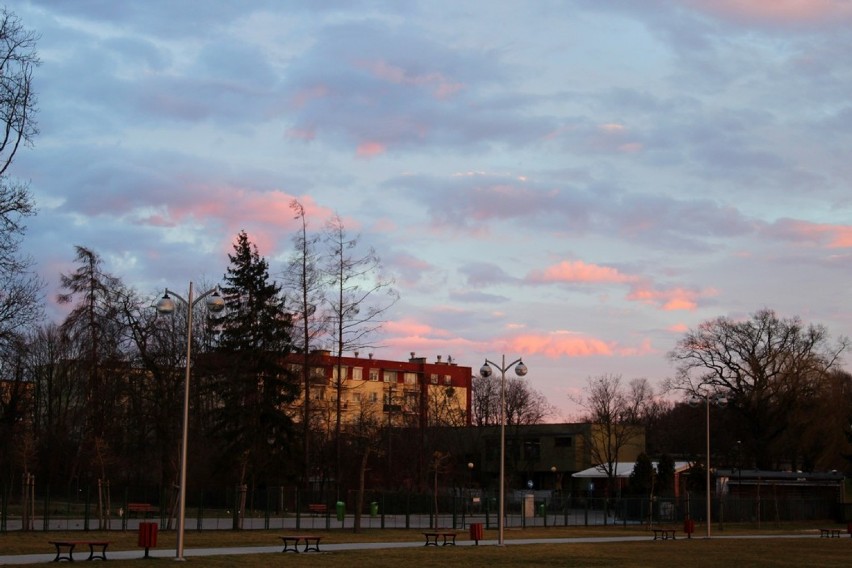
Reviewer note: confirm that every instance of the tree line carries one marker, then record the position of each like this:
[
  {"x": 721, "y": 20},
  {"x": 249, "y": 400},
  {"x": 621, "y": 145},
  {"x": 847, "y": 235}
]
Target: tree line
[{"x": 771, "y": 390}]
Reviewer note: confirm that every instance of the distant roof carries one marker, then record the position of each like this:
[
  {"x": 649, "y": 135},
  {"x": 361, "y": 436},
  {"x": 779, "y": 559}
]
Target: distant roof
[{"x": 622, "y": 469}]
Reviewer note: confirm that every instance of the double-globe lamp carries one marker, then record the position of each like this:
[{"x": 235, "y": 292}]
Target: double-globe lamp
[
  {"x": 485, "y": 372},
  {"x": 166, "y": 306}
]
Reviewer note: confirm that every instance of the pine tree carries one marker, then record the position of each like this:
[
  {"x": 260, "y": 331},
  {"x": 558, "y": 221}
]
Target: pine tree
[{"x": 251, "y": 377}]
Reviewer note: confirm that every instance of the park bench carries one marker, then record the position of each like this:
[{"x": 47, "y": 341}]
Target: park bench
[
  {"x": 318, "y": 508},
  {"x": 144, "y": 508},
  {"x": 829, "y": 533},
  {"x": 664, "y": 534},
  {"x": 291, "y": 542},
  {"x": 65, "y": 549},
  {"x": 449, "y": 537}
]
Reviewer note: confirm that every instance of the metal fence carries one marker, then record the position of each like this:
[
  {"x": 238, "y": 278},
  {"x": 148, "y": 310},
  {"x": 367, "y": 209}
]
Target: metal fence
[{"x": 287, "y": 508}]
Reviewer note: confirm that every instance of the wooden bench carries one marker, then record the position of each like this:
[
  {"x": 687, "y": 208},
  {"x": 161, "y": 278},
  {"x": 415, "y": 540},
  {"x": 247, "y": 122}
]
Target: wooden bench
[
  {"x": 829, "y": 533},
  {"x": 144, "y": 508},
  {"x": 664, "y": 534},
  {"x": 318, "y": 508},
  {"x": 449, "y": 538},
  {"x": 65, "y": 549},
  {"x": 291, "y": 542}
]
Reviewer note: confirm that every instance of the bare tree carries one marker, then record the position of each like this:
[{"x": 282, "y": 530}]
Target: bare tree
[
  {"x": 18, "y": 59},
  {"x": 614, "y": 412},
  {"x": 94, "y": 326},
  {"x": 768, "y": 367},
  {"x": 364, "y": 435},
  {"x": 524, "y": 405},
  {"x": 445, "y": 407},
  {"x": 306, "y": 280},
  {"x": 360, "y": 295},
  {"x": 20, "y": 288}
]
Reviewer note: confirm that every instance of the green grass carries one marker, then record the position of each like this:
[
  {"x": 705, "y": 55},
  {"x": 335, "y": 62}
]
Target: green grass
[{"x": 699, "y": 552}]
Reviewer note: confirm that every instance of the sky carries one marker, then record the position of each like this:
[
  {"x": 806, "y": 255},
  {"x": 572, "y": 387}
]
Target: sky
[{"x": 574, "y": 182}]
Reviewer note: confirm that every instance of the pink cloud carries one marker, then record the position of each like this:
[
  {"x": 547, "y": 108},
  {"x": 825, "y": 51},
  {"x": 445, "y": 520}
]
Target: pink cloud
[
  {"x": 678, "y": 328},
  {"x": 370, "y": 149},
  {"x": 559, "y": 344},
  {"x": 578, "y": 271},
  {"x": 304, "y": 96},
  {"x": 670, "y": 299},
  {"x": 818, "y": 234},
  {"x": 777, "y": 11},
  {"x": 644, "y": 348},
  {"x": 412, "y": 328},
  {"x": 442, "y": 87},
  {"x": 569, "y": 344}
]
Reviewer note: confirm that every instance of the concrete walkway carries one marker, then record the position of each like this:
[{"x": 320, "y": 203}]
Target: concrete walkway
[{"x": 201, "y": 552}]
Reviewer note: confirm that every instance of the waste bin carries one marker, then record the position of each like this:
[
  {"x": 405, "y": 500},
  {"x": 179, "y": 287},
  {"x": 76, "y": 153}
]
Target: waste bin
[
  {"x": 542, "y": 510},
  {"x": 476, "y": 532},
  {"x": 688, "y": 527},
  {"x": 341, "y": 510},
  {"x": 147, "y": 536},
  {"x": 374, "y": 509}
]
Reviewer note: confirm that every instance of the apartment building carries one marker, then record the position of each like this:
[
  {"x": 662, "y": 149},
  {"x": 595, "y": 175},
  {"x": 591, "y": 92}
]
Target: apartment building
[{"x": 415, "y": 392}]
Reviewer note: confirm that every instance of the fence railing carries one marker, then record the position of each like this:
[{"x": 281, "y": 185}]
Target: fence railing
[{"x": 286, "y": 508}]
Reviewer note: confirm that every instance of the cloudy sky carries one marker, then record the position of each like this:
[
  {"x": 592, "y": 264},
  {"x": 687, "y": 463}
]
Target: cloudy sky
[{"x": 576, "y": 182}]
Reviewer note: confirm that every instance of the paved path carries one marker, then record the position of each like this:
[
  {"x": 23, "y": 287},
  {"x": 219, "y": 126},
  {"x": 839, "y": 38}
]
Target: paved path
[{"x": 200, "y": 552}]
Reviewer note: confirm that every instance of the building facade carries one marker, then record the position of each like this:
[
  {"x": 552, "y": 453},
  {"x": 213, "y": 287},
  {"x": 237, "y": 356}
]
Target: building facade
[{"x": 405, "y": 393}]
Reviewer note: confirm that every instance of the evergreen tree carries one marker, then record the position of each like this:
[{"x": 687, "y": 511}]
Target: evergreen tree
[
  {"x": 251, "y": 376},
  {"x": 642, "y": 477},
  {"x": 665, "y": 475}
]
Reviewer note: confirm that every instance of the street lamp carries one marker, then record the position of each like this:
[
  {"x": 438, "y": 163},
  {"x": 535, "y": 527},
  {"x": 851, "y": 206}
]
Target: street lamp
[
  {"x": 166, "y": 306},
  {"x": 485, "y": 372},
  {"x": 720, "y": 401}
]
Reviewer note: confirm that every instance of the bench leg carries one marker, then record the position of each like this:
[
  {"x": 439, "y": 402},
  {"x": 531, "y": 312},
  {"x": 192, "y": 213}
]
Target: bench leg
[
  {"x": 102, "y": 555},
  {"x": 69, "y": 555}
]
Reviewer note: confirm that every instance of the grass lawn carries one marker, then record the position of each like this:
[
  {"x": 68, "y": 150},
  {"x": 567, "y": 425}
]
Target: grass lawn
[{"x": 717, "y": 552}]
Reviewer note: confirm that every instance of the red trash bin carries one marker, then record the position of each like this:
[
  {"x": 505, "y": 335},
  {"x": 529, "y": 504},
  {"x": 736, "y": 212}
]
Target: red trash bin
[
  {"x": 688, "y": 527},
  {"x": 147, "y": 536},
  {"x": 476, "y": 532}
]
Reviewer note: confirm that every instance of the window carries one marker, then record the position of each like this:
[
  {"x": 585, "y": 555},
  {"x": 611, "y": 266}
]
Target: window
[
  {"x": 410, "y": 378},
  {"x": 562, "y": 442},
  {"x": 356, "y": 396},
  {"x": 374, "y": 374},
  {"x": 374, "y": 397},
  {"x": 390, "y": 376},
  {"x": 434, "y": 378},
  {"x": 448, "y": 380},
  {"x": 357, "y": 374},
  {"x": 532, "y": 450},
  {"x": 411, "y": 401}
]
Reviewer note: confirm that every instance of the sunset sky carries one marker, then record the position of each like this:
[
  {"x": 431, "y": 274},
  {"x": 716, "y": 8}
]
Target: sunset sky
[{"x": 576, "y": 182}]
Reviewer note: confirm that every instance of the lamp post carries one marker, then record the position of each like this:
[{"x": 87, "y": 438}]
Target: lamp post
[
  {"x": 470, "y": 487},
  {"x": 166, "y": 306},
  {"x": 720, "y": 401},
  {"x": 485, "y": 372}
]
